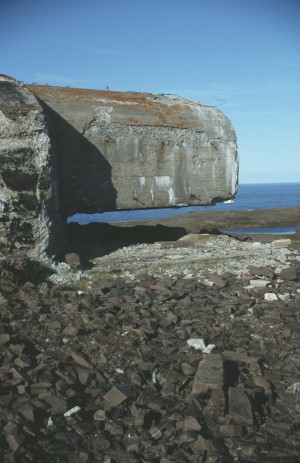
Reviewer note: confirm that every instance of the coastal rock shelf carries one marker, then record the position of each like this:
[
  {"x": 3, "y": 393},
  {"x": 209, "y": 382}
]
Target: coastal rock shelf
[{"x": 67, "y": 151}]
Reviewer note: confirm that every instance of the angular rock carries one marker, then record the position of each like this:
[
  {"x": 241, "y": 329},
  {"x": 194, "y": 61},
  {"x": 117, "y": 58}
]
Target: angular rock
[
  {"x": 208, "y": 376},
  {"x": 240, "y": 409},
  {"x": 282, "y": 243},
  {"x": 218, "y": 281},
  {"x": 199, "y": 344},
  {"x": 80, "y": 359},
  {"x": 11, "y": 433},
  {"x": 289, "y": 273},
  {"x": 270, "y": 297},
  {"x": 191, "y": 424},
  {"x": 262, "y": 271},
  {"x": 260, "y": 283},
  {"x": 73, "y": 259},
  {"x": 231, "y": 430},
  {"x": 115, "y": 396}
]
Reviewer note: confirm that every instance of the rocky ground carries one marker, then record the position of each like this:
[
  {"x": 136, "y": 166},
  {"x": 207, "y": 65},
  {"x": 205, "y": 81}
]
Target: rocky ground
[{"x": 158, "y": 346}]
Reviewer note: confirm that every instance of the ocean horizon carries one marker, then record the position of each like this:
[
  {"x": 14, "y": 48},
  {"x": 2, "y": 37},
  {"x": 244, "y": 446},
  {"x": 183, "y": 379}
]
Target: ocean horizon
[{"x": 250, "y": 196}]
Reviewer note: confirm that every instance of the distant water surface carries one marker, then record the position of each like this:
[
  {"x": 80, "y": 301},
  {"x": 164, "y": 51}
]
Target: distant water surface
[
  {"x": 249, "y": 197},
  {"x": 264, "y": 230}
]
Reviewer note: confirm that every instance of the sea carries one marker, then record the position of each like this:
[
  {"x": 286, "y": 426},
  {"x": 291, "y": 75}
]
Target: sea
[{"x": 249, "y": 197}]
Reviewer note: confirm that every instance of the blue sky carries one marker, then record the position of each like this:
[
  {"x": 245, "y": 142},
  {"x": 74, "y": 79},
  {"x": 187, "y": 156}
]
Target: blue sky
[{"x": 243, "y": 55}]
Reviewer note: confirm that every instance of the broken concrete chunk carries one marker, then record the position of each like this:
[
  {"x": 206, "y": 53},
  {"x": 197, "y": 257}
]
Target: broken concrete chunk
[
  {"x": 270, "y": 297},
  {"x": 100, "y": 415},
  {"x": 72, "y": 411},
  {"x": 284, "y": 297},
  {"x": 200, "y": 345},
  {"x": 282, "y": 243},
  {"x": 260, "y": 283}
]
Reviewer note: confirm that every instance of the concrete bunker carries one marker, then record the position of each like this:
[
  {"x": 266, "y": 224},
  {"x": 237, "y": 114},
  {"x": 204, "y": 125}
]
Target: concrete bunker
[{"x": 65, "y": 151}]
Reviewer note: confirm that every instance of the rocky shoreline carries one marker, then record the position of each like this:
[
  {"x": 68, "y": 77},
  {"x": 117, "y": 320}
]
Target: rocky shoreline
[{"x": 179, "y": 348}]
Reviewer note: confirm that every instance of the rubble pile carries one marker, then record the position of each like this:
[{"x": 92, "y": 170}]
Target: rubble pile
[{"x": 150, "y": 370}]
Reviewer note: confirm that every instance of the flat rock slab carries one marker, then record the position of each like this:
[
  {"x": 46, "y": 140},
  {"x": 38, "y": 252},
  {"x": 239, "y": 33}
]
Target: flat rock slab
[
  {"x": 240, "y": 409},
  {"x": 209, "y": 375}
]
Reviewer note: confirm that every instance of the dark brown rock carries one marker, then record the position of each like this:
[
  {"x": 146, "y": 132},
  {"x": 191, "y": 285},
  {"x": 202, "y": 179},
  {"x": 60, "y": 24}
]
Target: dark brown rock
[
  {"x": 289, "y": 273},
  {"x": 80, "y": 359},
  {"x": 73, "y": 259},
  {"x": 4, "y": 339},
  {"x": 209, "y": 375},
  {"x": 262, "y": 271},
  {"x": 114, "y": 375},
  {"x": 218, "y": 281},
  {"x": 240, "y": 409},
  {"x": 115, "y": 396}
]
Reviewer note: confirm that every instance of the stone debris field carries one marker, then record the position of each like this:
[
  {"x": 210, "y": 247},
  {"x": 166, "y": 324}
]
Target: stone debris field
[{"x": 177, "y": 351}]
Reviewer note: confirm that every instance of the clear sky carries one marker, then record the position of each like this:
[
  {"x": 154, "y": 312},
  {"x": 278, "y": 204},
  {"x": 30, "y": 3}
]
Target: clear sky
[{"x": 243, "y": 55}]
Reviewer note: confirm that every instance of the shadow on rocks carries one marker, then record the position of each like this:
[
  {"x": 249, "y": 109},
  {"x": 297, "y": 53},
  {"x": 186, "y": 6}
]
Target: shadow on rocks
[
  {"x": 19, "y": 269},
  {"x": 100, "y": 239}
]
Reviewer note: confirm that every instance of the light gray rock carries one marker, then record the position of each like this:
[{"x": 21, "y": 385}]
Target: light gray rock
[
  {"x": 270, "y": 297},
  {"x": 259, "y": 283},
  {"x": 282, "y": 243}
]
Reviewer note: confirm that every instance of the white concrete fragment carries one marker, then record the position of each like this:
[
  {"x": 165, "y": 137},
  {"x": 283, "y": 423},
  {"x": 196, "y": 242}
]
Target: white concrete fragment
[
  {"x": 175, "y": 256},
  {"x": 198, "y": 343},
  {"x": 294, "y": 388},
  {"x": 72, "y": 411},
  {"x": 284, "y": 297},
  {"x": 100, "y": 415},
  {"x": 260, "y": 283},
  {"x": 154, "y": 381},
  {"x": 281, "y": 243},
  {"x": 270, "y": 297},
  {"x": 50, "y": 422}
]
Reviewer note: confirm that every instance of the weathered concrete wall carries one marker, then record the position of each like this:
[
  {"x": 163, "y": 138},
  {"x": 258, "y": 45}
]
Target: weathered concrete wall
[
  {"x": 77, "y": 150},
  {"x": 130, "y": 150},
  {"x": 27, "y": 193}
]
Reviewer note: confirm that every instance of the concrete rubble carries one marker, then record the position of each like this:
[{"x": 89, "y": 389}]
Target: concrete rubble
[{"x": 101, "y": 368}]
